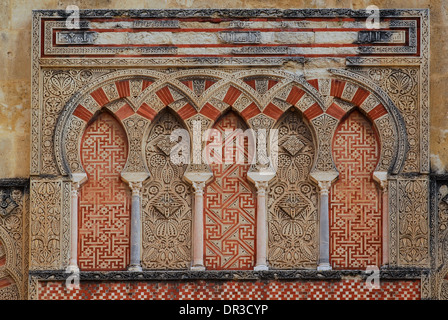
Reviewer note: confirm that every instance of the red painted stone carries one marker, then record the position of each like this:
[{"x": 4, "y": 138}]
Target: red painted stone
[
  {"x": 104, "y": 200},
  {"x": 313, "y": 111},
  {"x": 187, "y": 111},
  {"x": 355, "y": 201},
  {"x": 251, "y": 83},
  {"x": 147, "y": 112},
  {"x": 100, "y": 97},
  {"x": 314, "y": 83},
  {"x": 124, "y": 112},
  {"x": 250, "y": 111},
  {"x": 231, "y": 95},
  {"x": 337, "y": 87},
  {"x": 82, "y": 113},
  {"x": 295, "y": 95},
  {"x": 229, "y": 204},
  {"x": 209, "y": 83},
  {"x": 348, "y": 289},
  {"x": 146, "y": 84},
  {"x": 4, "y": 282},
  {"x": 335, "y": 111},
  {"x": 188, "y": 83},
  {"x": 377, "y": 112},
  {"x": 273, "y": 111},
  {"x": 210, "y": 111},
  {"x": 272, "y": 83},
  {"x": 165, "y": 95},
  {"x": 360, "y": 95},
  {"x": 123, "y": 88}
]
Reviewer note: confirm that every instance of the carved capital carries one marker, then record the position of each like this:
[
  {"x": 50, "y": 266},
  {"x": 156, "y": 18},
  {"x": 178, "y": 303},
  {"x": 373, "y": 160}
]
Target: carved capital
[
  {"x": 381, "y": 178},
  {"x": 324, "y": 186},
  {"x": 198, "y": 187},
  {"x": 324, "y": 180},
  {"x": 75, "y": 189},
  {"x": 136, "y": 187},
  {"x": 261, "y": 187},
  {"x": 78, "y": 179}
]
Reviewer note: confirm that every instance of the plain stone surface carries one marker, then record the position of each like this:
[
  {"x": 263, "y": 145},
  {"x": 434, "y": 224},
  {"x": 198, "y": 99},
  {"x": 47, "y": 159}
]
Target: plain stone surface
[{"x": 15, "y": 64}]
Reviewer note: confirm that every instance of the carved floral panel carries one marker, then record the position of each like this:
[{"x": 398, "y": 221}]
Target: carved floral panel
[
  {"x": 166, "y": 202},
  {"x": 293, "y": 217}
]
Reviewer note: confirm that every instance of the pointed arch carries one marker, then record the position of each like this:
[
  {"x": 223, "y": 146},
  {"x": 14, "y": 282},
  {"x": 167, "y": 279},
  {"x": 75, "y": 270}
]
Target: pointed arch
[
  {"x": 166, "y": 200},
  {"x": 355, "y": 199},
  {"x": 293, "y": 206},
  {"x": 229, "y": 208},
  {"x": 104, "y": 200}
]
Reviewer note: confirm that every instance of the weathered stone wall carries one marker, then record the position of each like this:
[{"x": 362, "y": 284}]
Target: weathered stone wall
[{"x": 15, "y": 64}]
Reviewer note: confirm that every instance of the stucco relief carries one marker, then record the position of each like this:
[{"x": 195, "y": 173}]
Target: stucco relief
[{"x": 69, "y": 92}]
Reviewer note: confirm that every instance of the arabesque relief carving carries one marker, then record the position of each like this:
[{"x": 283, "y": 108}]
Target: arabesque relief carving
[
  {"x": 293, "y": 217},
  {"x": 166, "y": 201}
]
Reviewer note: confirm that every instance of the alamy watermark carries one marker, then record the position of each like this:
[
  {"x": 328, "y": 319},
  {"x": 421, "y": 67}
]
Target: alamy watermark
[
  {"x": 228, "y": 147},
  {"x": 373, "y": 280}
]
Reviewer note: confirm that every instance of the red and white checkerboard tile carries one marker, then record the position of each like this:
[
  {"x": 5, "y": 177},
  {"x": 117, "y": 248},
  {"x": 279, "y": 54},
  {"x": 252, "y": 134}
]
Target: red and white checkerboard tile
[{"x": 350, "y": 289}]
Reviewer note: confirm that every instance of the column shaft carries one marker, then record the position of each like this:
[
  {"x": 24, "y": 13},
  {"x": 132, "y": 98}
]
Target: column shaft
[
  {"x": 198, "y": 227},
  {"x": 385, "y": 199},
  {"x": 324, "y": 227},
  {"x": 261, "y": 254},
  {"x": 136, "y": 228},
  {"x": 73, "y": 266}
]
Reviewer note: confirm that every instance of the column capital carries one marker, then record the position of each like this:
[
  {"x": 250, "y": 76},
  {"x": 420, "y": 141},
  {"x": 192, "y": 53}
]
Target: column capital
[
  {"x": 198, "y": 186},
  {"x": 75, "y": 189},
  {"x": 77, "y": 180},
  {"x": 136, "y": 187},
  {"x": 381, "y": 178},
  {"x": 261, "y": 187},
  {"x": 324, "y": 180},
  {"x": 197, "y": 176},
  {"x": 324, "y": 186}
]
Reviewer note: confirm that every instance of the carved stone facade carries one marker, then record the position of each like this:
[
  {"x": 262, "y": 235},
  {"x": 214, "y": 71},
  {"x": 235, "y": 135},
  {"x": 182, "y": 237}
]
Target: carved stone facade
[
  {"x": 342, "y": 184},
  {"x": 293, "y": 200},
  {"x": 166, "y": 201}
]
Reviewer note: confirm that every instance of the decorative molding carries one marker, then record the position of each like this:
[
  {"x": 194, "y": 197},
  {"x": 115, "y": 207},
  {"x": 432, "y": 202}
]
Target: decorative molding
[{"x": 386, "y": 274}]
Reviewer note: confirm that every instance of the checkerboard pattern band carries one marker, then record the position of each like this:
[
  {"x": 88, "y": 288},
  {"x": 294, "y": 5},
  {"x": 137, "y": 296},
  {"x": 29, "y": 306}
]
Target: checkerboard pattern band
[{"x": 350, "y": 289}]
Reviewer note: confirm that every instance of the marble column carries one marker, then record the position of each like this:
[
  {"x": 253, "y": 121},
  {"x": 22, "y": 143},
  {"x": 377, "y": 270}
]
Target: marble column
[
  {"x": 381, "y": 178},
  {"x": 261, "y": 179},
  {"x": 198, "y": 227},
  {"x": 135, "y": 182},
  {"x": 136, "y": 227},
  {"x": 77, "y": 180},
  {"x": 198, "y": 181},
  {"x": 324, "y": 180},
  {"x": 324, "y": 226},
  {"x": 385, "y": 200},
  {"x": 262, "y": 236}
]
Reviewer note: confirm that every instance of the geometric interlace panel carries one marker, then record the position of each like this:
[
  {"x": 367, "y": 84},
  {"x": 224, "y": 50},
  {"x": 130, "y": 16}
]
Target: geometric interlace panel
[
  {"x": 104, "y": 202},
  {"x": 355, "y": 200},
  {"x": 166, "y": 201},
  {"x": 293, "y": 201},
  {"x": 229, "y": 203}
]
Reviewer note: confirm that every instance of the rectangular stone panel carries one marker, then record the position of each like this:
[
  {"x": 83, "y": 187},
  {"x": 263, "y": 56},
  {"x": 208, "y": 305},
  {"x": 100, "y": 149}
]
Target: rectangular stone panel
[{"x": 139, "y": 35}]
